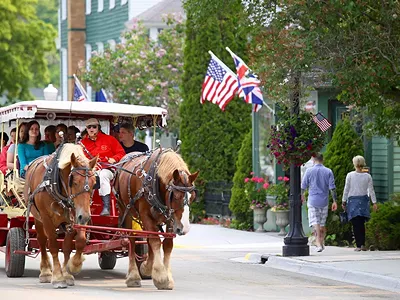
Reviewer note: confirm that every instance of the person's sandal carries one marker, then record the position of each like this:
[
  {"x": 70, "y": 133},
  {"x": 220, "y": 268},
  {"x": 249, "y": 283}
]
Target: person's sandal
[
  {"x": 363, "y": 248},
  {"x": 357, "y": 249}
]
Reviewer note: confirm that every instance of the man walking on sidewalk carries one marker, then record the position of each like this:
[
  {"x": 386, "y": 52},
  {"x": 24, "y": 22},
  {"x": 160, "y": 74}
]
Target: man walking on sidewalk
[{"x": 319, "y": 180}]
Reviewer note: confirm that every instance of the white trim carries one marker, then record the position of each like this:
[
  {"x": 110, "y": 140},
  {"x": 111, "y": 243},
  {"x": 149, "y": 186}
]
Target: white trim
[
  {"x": 88, "y": 7},
  {"x": 112, "y": 44},
  {"x": 64, "y": 9},
  {"x": 100, "y": 47},
  {"x": 100, "y": 5},
  {"x": 64, "y": 74},
  {"x": 123, "y": 2},
  {"x": 112, "y": 4},
  {"x": 88, "y": 50}
]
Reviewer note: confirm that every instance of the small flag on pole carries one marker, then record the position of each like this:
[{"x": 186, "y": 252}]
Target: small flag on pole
[
  {"x": 220, "y": 85},
  {"x": 101, "y": 96},
  {"x": 79, "y": 92},
  {"x": 322, "y": 122}
]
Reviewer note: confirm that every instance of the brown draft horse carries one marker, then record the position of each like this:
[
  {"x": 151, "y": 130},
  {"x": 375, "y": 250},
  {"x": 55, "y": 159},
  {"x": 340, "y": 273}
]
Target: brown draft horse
[
  {"x": 154, "y": 188},
  {"x": 58, "y": 191}
]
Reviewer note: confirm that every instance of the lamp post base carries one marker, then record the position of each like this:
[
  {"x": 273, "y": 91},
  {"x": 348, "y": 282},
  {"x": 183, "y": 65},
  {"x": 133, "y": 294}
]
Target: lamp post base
[{"x": 296, "y": 250}]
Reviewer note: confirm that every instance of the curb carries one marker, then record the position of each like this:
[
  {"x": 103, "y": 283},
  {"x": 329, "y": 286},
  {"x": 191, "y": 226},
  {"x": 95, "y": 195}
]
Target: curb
[{"x": 320, "y": 270}]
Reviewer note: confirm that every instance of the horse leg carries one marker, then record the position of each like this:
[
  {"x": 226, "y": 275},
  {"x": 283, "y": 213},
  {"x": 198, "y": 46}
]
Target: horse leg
[
  {"x": 57, "y": 280},
  {"x": 168, "y": 244},
  {"x": 74, "y": 265},
  {"x": 133, "y": 278},
  {"x": 147, "y": 266},
  {"x": 67, "y": 249},
  {"x": 45, "y": 265}
]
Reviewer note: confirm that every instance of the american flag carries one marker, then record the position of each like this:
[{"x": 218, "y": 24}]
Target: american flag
[
  {"x": 322, "y": 122},
  {"x": 219, "y": 85},
  {"x": 79, "y": 95}
]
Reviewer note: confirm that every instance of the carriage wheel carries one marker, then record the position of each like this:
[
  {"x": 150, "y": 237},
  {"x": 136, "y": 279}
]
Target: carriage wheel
[
  {"x": 107, "y": 260},
  {"x": 15, "y": 263}
]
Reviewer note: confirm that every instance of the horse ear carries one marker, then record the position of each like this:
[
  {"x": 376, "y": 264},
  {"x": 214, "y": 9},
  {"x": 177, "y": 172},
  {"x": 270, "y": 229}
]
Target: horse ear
[
  {"x": 73, "y": 160},
  {"x": 93, "y": 162},
  {"x": 192, "y": 177},
  {"x": 176, "y": 175}
]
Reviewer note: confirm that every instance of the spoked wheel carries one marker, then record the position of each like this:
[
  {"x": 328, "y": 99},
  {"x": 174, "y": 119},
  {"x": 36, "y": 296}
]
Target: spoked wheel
[
  {"x": 107, "y": 260},
  {"x": 15, "y": 263}
]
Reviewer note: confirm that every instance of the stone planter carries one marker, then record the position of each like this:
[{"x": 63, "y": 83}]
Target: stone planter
[
  {"x": 271, "y": 200},
  {"x": 260, "y": 217},
  {"x": 282, "y": 220}
]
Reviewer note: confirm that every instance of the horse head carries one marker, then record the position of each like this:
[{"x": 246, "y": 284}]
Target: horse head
[
  {"x": 78, "y": 171},
  {"x": 181, "y": 194}
]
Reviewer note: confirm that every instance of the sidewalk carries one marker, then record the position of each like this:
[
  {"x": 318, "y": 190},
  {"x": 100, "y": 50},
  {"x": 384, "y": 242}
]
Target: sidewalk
[{"x": 378, "y": 269}]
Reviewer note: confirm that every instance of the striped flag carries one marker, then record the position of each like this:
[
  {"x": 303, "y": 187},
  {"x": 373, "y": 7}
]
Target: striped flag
[
  {"x": 219, "y": 86},
  {"x": 322, "y": 122},
  {"x": 79, "y": 92}
]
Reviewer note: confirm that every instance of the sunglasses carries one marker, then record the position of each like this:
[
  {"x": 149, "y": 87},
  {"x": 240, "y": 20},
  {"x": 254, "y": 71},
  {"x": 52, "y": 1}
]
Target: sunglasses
[{"x": 91, "y": 126}]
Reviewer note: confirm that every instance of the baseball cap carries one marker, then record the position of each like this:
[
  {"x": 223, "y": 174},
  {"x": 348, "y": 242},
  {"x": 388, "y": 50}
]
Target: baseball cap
[{"x": 92, "y": 121}]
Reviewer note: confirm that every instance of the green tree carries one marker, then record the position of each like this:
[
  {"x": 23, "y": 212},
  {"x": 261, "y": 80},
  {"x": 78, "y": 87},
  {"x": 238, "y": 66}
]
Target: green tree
[
  {"x": 345, "y": 144},
  {"x": 353, "y": 46},
  {"x": 24, "y": 41},
  {"x": 143, "y": 71},
  {"x": 240, "y": 203},
  {"x": 211, "y": 138},
  {"x": 47, "y": 11}
]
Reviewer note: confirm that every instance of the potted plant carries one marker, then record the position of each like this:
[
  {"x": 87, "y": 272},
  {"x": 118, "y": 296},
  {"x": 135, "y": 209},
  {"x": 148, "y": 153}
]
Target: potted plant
[
  {"x": 281, "y": 208},
  {"x": 256, "y": 191},
  {"x": 295, "y": 138}
]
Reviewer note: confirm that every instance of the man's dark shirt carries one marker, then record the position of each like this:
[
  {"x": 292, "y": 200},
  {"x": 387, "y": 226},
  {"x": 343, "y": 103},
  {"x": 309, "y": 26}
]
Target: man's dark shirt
[{"x": 136, "y": 147}]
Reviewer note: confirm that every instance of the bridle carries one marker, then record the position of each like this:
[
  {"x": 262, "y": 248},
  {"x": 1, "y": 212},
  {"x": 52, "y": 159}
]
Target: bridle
[
  {"x": 81, "y": 171},
  {"x": 184, "y": 189}
]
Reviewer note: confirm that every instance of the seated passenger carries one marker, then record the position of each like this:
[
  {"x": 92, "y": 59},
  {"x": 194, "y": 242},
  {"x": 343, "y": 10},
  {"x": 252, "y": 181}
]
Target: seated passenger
[
  {"x": 3, "y": 154},
  {"x": 127, "y": 139},
  {"x": 109, "y": 150},
  {"x": 50, "y": 134},
  {"x": 64, "y": 129},
  {"x": 11, "y": 151},
  {"x": 71, "y": 134},
  {"x": 31, "y": 146}
]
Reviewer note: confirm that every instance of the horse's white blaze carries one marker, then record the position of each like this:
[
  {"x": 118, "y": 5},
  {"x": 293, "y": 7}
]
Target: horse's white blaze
[{"x": 185, "y": 217}]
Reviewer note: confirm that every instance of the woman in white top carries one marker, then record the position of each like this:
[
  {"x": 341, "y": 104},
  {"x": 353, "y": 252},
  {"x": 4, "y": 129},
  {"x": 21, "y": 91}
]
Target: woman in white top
[{"x": 357, "y": 190}]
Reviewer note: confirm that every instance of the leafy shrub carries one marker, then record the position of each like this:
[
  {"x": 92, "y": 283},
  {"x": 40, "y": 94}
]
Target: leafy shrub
[
  {"x": 240, "y": 203},
  {"x": 383, "y": 229},
  {"x": 345, "y": 144}
]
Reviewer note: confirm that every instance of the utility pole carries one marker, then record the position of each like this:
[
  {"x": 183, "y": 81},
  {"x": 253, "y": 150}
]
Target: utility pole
[{"x": 295, "y": 241}]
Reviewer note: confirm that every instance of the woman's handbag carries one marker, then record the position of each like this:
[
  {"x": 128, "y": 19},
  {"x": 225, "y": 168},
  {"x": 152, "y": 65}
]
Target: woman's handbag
[{"x": 343, "y": 218}]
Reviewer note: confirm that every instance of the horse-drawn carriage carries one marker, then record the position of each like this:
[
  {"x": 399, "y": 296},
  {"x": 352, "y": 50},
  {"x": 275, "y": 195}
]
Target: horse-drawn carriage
[{"x": 57, "y": 208}]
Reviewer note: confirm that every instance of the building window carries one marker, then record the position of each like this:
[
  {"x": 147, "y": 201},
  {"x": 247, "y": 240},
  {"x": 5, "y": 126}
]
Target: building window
[
  {"x": 111, "y": 44},
  {"x": 112, "y": 4},
  {"x": 123, "y": 2},
  {"x": 64, "y": 75},
  {"x": 63, "y": 9},
  {"x": 100, "y": 6},
  {"x": 88, "y": 7},
  {"x": 100, "y": 47}
]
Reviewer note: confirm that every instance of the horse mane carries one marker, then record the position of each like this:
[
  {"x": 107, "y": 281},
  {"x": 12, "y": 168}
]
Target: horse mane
[
  {"x": 66, "y": 152},
  {"x": 169, "y": 162}
]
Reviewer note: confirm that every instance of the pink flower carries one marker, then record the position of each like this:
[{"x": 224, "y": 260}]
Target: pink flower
[
  {"x": 286, "y": 179},
  {"x": 280, "y": 178},
  {"x": 251, "y": 173},
  {"x": 266, "y": 185},
  {"x": 260, "y": 180},
  {"x": 246, "y": 179}
]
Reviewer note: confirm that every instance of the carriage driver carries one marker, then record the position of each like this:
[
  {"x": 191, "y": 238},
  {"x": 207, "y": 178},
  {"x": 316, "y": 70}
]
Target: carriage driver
[{"x": 109, "y": 150}]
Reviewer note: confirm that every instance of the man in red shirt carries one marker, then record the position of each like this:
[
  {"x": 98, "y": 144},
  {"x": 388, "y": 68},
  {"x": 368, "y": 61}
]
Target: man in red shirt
[{"x": 109, "y": 150}]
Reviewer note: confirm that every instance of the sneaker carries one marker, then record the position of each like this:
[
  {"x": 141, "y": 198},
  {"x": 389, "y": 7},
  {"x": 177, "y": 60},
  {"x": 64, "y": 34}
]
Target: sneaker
[
  {"x": 319, "y": 249},
  {"x": 363, "y": 248},
  {"x": 357, "y": 249}
]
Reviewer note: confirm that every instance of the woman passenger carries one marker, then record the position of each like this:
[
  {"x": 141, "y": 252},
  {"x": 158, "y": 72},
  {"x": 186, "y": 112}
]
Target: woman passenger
[
  {"x": 72, "y": 131},
  {"x": 31, "y": 146},
  {"x": 11, "y": 150},
  {"x": 60, "y": 127}
]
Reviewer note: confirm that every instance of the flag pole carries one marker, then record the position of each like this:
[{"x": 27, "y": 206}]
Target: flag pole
[
  {"x": 80, "y": 86},
  {"x": 221, "y": 63}
]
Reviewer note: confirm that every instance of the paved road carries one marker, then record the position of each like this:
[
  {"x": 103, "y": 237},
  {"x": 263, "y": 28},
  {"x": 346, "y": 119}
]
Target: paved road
[{"x": 204, "y": 267}]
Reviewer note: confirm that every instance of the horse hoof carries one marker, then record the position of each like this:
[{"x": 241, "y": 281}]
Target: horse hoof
[
  {"x": 72, "y": 272},
  {"x": 70, "y": 281},
  {"x": 59, "y": 284},
  {"x": 144, "y": 273},
  {"x": 45, "y": 278},
  {"x": 161, "y": 284},
  {"x": 133, "y": 283}
]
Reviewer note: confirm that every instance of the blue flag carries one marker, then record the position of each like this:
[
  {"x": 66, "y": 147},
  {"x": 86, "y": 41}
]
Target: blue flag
[{"x": 101, "y": 96}]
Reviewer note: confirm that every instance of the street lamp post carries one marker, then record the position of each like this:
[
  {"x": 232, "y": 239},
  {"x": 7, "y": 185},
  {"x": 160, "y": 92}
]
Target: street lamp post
[
  {"x": 50, "y": 93},
  {"x": 295, "y": 241}
]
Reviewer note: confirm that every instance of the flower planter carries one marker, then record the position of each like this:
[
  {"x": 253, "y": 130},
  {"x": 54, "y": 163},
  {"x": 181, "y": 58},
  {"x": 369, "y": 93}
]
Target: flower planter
[
  {"x": 282, "y": 220},
  {"x": 260, "y": 217},
  {"x": 271, "y": 200}
]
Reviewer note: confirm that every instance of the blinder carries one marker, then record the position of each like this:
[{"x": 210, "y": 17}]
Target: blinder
[{"x": 97, "y": 184}]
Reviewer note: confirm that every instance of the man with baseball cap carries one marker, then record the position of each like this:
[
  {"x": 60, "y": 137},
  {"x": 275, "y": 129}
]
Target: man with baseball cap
[{"x": 109, "y": 150}]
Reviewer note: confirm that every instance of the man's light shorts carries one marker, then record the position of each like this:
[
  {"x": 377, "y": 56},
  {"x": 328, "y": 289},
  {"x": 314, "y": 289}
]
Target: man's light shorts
[{"x": 317, "y": 215}]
